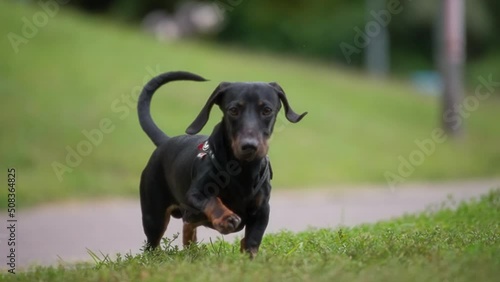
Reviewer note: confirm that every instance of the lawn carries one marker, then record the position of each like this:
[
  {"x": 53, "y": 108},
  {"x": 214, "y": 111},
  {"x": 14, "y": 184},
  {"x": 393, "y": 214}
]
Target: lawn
[
  {"x": 451, "y": 242},
  {"x": 78, "y": 70}
]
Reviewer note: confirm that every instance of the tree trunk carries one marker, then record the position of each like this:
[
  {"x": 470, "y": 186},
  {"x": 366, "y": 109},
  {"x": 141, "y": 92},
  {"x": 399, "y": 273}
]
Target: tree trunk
[{"x": 452, "y": 64}]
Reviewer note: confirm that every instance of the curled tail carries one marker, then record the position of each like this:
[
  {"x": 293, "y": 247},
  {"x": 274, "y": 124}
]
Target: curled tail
[{"x": 143, "y": 107}]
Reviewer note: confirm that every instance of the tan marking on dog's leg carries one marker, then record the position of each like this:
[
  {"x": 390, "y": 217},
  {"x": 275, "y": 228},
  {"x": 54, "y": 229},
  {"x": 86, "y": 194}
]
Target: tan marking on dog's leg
[
  {"x": 223, "y": 219},
  {"x": 188, "y": 234},
  {"x": 242, "y": 245},
  {"x": 252, "y": 251}
]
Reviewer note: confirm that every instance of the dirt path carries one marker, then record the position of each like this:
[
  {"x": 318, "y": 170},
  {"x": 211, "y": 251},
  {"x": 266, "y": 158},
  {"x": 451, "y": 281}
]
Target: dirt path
[{"x": 48, "y": 234}]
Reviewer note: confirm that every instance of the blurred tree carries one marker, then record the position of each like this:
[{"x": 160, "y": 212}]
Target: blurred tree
[
  {"x": 305, "y": 27},
  {"x": 453, "y": 52},
  {"x": 318, "y": 28},
  {"x": 125, "y": 9},
  {"x": 377, "y": 53},
  {"x": 413, "y": 39}
]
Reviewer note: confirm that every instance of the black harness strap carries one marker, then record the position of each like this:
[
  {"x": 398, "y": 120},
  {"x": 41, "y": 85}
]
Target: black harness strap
[{"x": 266, "y": 175}]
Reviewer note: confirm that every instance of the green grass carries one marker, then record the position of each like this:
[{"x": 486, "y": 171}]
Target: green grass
[
  {"x": 65, "y": 79},
  {"x": 446, "y": 244}
]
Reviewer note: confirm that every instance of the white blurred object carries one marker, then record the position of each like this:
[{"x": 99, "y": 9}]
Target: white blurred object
[
  {"x": 162, "y": 25},
  {"x": 206, "y": 18},
  {"x": 190, "y": 19}
]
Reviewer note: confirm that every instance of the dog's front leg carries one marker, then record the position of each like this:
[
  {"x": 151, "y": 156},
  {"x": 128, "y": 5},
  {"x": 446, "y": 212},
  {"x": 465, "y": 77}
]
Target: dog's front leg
[
  {"x": 221, "y": 217},
  {"x": 254, "y": 230}
]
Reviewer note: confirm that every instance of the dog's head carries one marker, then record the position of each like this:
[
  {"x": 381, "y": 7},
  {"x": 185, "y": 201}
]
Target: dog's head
[{"x": 250, "y": 111}]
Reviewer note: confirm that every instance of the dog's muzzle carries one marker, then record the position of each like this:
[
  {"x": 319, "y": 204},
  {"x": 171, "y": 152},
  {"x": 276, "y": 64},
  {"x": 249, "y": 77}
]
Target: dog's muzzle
[{"x": 249, "y": 148}]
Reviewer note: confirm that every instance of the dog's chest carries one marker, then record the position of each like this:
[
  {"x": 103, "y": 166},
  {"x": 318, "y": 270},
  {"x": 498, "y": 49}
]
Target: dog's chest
[{"x": 244, "y": 199}]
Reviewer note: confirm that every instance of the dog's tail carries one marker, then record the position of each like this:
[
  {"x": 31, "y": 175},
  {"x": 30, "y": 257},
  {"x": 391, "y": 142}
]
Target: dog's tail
[{"x": 143, "y": 107}]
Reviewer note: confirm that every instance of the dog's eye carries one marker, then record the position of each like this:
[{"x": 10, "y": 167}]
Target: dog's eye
[
  {"x": 233, "y": 111},
  {"x": 267, "y": 111}
]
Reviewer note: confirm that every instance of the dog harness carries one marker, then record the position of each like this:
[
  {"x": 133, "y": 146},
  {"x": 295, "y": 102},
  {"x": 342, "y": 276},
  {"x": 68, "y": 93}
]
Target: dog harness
[{"x": 264, "y": 175}]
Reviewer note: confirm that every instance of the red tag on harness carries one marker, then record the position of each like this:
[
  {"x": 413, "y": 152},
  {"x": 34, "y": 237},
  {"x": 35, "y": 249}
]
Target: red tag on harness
[{"x": 204, "y": 147}]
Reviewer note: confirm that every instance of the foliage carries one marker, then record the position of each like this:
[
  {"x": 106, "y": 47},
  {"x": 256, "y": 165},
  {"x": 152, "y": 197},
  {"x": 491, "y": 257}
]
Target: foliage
[{"x": 317, "y": 28}]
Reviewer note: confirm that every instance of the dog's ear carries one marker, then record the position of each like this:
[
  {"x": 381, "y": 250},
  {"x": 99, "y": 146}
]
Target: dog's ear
[
  {"x": 202, "y": 117},
  {"x": 289, "y": 113}
]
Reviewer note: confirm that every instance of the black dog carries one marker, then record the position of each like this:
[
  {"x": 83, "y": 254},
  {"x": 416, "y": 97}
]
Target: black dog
[{"x": 221, "y": 181}]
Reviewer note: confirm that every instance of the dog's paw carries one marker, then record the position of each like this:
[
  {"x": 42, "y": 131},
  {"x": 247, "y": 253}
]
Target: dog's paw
[
  {"x": 252, "y": 252},
  {"x": 227, "y": 223}
]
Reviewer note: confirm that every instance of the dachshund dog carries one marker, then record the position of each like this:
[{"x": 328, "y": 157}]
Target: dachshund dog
[{"x": 221, "y": 181}]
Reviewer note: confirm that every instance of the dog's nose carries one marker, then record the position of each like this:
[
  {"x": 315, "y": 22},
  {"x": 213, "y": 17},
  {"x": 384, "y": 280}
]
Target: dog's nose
[{"x": 249, "y": 145}]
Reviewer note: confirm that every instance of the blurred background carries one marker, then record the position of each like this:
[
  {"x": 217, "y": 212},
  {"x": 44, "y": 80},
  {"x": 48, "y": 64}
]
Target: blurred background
[
  {"x": 372, "y": 75},
  {"x": 316, "y": 29}
]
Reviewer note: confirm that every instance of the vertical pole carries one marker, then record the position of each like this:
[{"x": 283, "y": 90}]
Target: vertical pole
[
  {"x": 453, "y": 12},
  {"x": 377, "y": 52}
]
